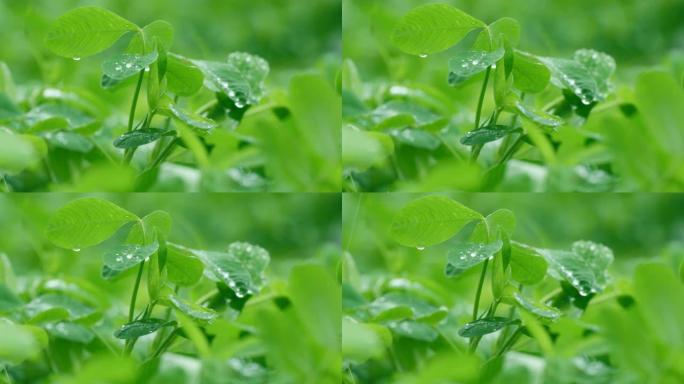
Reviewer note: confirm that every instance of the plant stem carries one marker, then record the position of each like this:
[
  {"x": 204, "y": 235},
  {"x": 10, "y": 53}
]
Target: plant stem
[
  {"x": 134, "y": 297},
  {"x": 134, "y": 104},
  {"x": 509, "y": 343},
  {"x": 476, "y": 305},
  {"x": 166, "y": 152},
  {"x": 511, "y": 151},
  {"x": 165, "y": 344},
  {"x": 478, "y": 114}
]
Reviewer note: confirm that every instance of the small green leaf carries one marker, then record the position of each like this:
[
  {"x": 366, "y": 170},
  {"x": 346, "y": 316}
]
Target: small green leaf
[
  {"x": 584, "y": 267},
  {"x": 416, "y": 138},
  {"x": 192, "y": 310},
  {"x": 183, "y": 78},
  {"x": 44, "y": 303},
  {"x": 538, "y": 309},
  {"x": 159, "y": 32},
  {"x": 432, "y": 28},
  {"x": 125, "y": 256},
  {"x": 529, "y": 73},
  {"x": 86, "y": 31},
  {"x": 70, "y": 331},
  {"x": 18, "y": 343},
  {"x": 140, "y": 137},
  {"x": 487, "y": 134},
  {"x": 399, "y": 114},
  {"x": 140, "y": 328},
  {"x": 467, "y": 64},
  {"x": 430, "y": 220},
  {"x": 125, "y": 65},
  {"x": 182, "y": 267},
  {"x": 539, "y": 117},
  {"x": 587, "y": 75},
  {"x": 412, "y": 307},
  {"x": 71, "y": 141},
  {"x": 18, "y": 152},
  {"x": 464, "y": 256},
  {"x": 527, "y": 265},
  {"x": 241, "y": 268},
  {"x": 157, "y": 222},
  {"x": 505, "y": 27},
  {"x": 86, "y": 222},
  {"x": 240, "y": 78},
  {"x": 8, "y": 300},
  {"x": 199, "y": 124},
  {"x": 485, "y": 326},
  {"x": 414, "y": 330}
]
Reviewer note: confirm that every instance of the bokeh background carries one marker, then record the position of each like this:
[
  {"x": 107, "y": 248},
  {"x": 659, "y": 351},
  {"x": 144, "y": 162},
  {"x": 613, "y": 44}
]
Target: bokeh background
[
  {"x": 291, "y": 35},
  {"x": 636, "y": 227},
  {"x": 637, "y": 33}
]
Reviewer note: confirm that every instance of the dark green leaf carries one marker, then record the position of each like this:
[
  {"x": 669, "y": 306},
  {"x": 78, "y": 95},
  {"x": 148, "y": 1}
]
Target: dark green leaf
[
  {"x": 414, "y": 330},
  {"x": 484, "y": 326},
  {"x": 141, "y": 328},
  {"x": 70, "y": 331},
  {"x": 71, "y": 141},
  {"x": 416, "y": 138},
  {"x": 8, "y": 300},
  {"x": 140, "y": 137},
  {"x": 487, "y": 134}
]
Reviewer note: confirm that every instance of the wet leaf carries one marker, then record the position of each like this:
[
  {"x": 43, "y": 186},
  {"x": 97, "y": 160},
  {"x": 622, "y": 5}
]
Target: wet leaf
[
  {"x": 70, "y": 331},
  {"x": 414, "y": 330},
  {"x": 240, "y": 78},
  {"x": 539, "y": 117},
  {"x": 487, "y": 134},
  {"x": 125, "y": 65},
  {"x": 140, "y": 137},
  {"x": 198, "y": 124},
  {"x": 538, "y": 309},
  {"x": 141, "y": 328},
  {"x": 465, "y": 65},
  {"x": 463, "y": 256},
  {"x": 584, "y": 267},
  {"x": 192, "y": 310},
  {"x": 125, "y": 256},
  {"x": 416, "y": 138},
  {"x": 484, "y": 326}
]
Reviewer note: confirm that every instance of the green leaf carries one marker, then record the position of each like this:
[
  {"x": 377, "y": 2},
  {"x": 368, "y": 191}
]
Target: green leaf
[
  {"x": 8, "y": 300},
  {"x": 199, "y": 124},
  {"x": 362, "y": 341},
  {"x": 18, "y": 343},
  {"x": 157, "y": 222},
  {"x": 529, "y": 73},
  {"x": 527, "y": 265},
  {"x": 193, "y": 310},
  {"x": 86, "y": 31},
  {"x": 432, "y": 28},
  {"x": 18, "y": 152},
  {"x": 70, "y": 331},
  {"x": 125, "y": 65},
  {"x": 660, "y": 100},
  {"x": 506, "y": 28},
  {"x": 430, "y": 220},
  {"x": 183, "y": 78},
  {"x": 487, "y": 134},
  {"x": 140, "y": 328},
  {"x": 659, "y": 294},
  {"x": 140, "y": 137},
  {"x": 8, "y": 109},
  {"x": 47, "y": 302},
  {"x": 584, "y": 267},
  {"x": 362, "y": 150},
  {"x": 125, "y": 256},
  {"x": 68, "y": 140},
  {"x": 464, "y": 256},
  {"x": 397, "y": 113},
  {"x": 467, "y": 64},
  {"x": 413, "y": 308},
  {"x": 586, "y": 75},
  {"x": 182, "y": 267},
  {"x": 240, "y": 78},
  {"x": 159, "y": 32},
  {"x": 414, "y": 330},
  {"x": 86, "y": 222},
  {"x": 538, "y": 309},
  {"x": 416, "y": 138},
  {"x": 485, "y": 326},
  {"x": 241, "y": 268},
  {"x": 539, "y": 117},
  {"x": 47, "y": 117}
]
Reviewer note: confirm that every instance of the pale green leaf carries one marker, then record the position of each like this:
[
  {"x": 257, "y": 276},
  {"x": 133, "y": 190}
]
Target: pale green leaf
[
  {"x": 183, "y": 78},
  {"x": 125, "y": 65},
  {"x": 463, "y": 256},
  {"x": 529, "y": 73},
  {"x": 465, "y": 65}
]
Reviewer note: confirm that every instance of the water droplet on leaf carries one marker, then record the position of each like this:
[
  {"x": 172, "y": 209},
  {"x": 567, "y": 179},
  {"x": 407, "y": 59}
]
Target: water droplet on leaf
[
  {"x": 77, "y": 58},
  {"x": 423, "y": 55}
]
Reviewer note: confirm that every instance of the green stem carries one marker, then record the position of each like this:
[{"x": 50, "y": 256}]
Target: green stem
[
  {"x": 165, "y": 344},
  {"x": 131, "y": 116},
  {"x": 478, "y": 114},
  {"x": 476, "y": 305},
  {"x": 512, "y": 150},
  {"x": 134, "y": 297},
  {"x": 165, "y": 153},
  {"x": 509, "y": 343}
]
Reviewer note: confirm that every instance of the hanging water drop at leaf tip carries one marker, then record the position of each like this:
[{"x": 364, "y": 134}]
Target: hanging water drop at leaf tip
[{"x": 77, "y": 58}]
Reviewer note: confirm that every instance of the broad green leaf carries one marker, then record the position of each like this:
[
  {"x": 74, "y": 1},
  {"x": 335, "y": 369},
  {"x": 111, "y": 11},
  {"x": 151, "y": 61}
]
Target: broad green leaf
[
  {"x": 240, "y": 78},
  {"x": 360, "y": 341},
  {"x": 44, "y": 303},
  {"x": 463, "y": 256},
  {"x": 125, "y": 256},
  {"x": 659, "y": 294},
  {"x": 157, "y": 222},
  {"x": 416, "y": 308},
  {"x": 487, "y": 134},
  {"x": 539, "y": 117},
  {"x": 467, "y": 64},
  {"x": 362, "y": 150},
  {"x": 183, "y": 78},
  {"x": 70, "y": 331},
  {"x": 586, "y": 75},
  {"x": 416, "y": 138},
  {"x": 18, "y": 152},
  {"x": 527, "y": 265},
  {"x": 47, "y": 117},
  {"x": 182, "y": 267},
  {"x": 660, "y": 100},
  {"x": 68, "y": 140},
  {"x": 397, "y": 113},
  {"x": 18, "y": 343},
  {"x": 86, "y": 222},
  {"x": 140, "y": 328},
  {"x": 8, "y": 300},
  {"x": 430, "y": 220},
  {"x": 541, "y": 310},
  {"x": 414, "y": 330},
  {"x": 241, "y": 267},
  {"x": 199, "y": 124},
  {"x": 484, "y": 326},
  {"x": 125, "y": 65},
  {"x": 432, "y": 28},
  {"x": 158, "y": 32},
  {"x": 491, "y": 37},
  {"x": 584, "y": 267},
  {"x": 529, "y": 73},
  {"x": 86, "y": 31},
  {"x": 140, "y": 137},
  {"x": 194, "y": 311}
]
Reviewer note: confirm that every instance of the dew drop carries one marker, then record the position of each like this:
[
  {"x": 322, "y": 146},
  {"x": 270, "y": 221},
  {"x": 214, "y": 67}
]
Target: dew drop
[
  {"x": 118, "y": 68},
  {"x": 77, "y": 249},
  {"x": 420, "y": 248},
  {"x": 77, "y": 58},
  {"x": 129, "y": 65},
  {"x": 147, "y": 69},
  {"x": 129, "y": 256},
  {"x": 423, "y": 55},
  {"x": 476, "y": 62}
]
